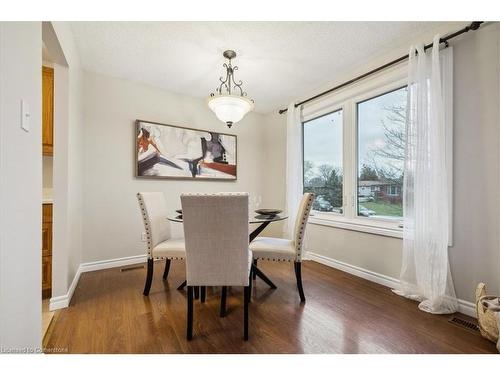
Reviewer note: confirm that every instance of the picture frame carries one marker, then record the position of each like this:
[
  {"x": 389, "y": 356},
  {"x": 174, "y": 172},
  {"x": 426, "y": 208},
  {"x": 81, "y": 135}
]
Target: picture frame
[{"x": 164, "y": 151}]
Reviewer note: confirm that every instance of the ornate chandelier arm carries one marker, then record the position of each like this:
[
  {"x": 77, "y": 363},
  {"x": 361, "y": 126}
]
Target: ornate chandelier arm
[
  {"x": 229, "y": 83},
  {"x": 238, "y": 85},
  {"x": 225, "y": 82}
]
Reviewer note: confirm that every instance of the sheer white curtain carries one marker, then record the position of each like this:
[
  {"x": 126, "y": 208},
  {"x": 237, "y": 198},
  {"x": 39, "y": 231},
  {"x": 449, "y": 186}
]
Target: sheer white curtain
[
  {"x": 425, "y": 272},
  {"x": 294, "y": 167}
]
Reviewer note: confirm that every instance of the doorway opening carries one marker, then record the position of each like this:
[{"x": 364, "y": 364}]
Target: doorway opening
[{"x": 54, "y": 142}]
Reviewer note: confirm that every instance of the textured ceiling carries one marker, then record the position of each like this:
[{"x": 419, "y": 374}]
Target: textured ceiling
[{"x": 278, "y": 61}]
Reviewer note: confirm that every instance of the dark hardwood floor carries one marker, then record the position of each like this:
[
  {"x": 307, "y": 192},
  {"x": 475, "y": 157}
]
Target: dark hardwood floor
[{"x": 342, "y": 314}]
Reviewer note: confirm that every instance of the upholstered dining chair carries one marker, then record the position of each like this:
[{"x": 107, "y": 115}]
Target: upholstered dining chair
[
  {"x": 159, "y": 243},
  {"x": 285, "y": 250},
  {"x": 217, "y": 254}
]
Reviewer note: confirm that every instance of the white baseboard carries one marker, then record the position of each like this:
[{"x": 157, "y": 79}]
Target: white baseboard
[
  {"x": 465, "y": 307},
  {"x": 61, "y": 302},
  {"x": 375, "y": 277},
  {"x": 112, "y": 263}
]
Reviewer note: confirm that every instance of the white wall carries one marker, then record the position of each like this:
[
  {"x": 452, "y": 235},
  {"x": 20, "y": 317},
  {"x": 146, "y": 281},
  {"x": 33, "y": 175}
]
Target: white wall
[
  {"x": 275, "y": 154},
  {"x": 475, "y": 255},
  {"x": 112, "y": 222},
  {"x": 20, "y": 186},
  {"x": 67, "y": 165}
]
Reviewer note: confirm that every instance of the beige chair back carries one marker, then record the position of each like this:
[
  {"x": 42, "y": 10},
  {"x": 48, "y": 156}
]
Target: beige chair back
[
  {"x": 301, "y": 222},
  {"x": 216, "y": 235},
  {"x": 154, "y": 214}
]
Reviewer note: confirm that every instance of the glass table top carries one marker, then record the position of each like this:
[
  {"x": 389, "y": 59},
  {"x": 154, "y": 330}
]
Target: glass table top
[{"x": 253, "y": 219}]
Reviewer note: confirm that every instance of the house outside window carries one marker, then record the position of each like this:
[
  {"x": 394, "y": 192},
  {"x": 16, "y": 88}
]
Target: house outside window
[{"x": 393, "y": 190}]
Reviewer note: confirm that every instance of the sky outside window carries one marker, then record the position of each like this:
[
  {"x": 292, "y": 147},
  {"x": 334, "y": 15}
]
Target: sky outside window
[
  {"x": 323, "y": 140},
  {"x": 323, "y": 170},
  {"x": 381, "y": 147}
]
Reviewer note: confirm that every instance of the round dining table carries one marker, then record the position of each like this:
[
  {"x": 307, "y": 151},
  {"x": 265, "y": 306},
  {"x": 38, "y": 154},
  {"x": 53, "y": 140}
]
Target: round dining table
[{"x": 263, "y": 221}]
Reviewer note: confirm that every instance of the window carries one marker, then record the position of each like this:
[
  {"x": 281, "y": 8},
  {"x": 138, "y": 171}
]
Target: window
[
  {"x": 393, "y": 190},
  {"x": 323, "y": 169},
  {"x": 359, "y": 132},
  {"x": 381, "y": 150}
]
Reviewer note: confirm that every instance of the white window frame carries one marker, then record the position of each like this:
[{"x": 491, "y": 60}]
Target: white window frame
[
  {"x": 393, "y": 83},
  {"x": 334, "y": 107},
  {"x": 347, "y": 99}
]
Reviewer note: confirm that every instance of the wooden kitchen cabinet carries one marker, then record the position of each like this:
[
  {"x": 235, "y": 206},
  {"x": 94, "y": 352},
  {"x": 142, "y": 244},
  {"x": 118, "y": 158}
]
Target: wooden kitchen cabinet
[
  {"x": 46, "y": 239},
  {"x": 47, "y": 111},
  {"x": 46, "y": 250},
  {"x": 46, "y": 276}
]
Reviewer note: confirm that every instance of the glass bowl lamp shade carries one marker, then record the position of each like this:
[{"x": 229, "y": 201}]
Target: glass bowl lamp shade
[
  {"x": 225, "y": 103},
  {"x": 230, "y": 108}
]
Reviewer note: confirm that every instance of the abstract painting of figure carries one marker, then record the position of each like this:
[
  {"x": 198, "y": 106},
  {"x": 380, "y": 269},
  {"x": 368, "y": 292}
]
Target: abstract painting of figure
[{"x": 165, "y": 151}]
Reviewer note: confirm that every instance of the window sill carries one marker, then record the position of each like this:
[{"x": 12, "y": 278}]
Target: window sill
[{"x": 359, "y": 225}]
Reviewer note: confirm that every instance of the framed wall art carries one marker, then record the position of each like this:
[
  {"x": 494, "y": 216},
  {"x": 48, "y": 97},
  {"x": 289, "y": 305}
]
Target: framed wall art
[{"x": 167, "y": 151}]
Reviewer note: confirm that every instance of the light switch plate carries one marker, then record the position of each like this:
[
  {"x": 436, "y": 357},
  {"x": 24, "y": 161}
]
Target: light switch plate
[{"x": 25, "y": 116}]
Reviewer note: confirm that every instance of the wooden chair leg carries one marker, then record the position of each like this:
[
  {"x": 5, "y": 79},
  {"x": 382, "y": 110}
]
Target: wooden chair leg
[
  {"x": 167, "y": 268},
  {"x": 189, "y": 331},
  {"x": 149, "y": 277},
  {"x": 298, "y": 275},
  {"x": 196, "y": 292},
  {"x": 223, "y": 302},
  {"x": 255, "y": 264},
  {"x": 203, "y": 294},
  {"x": 245, "y": 317}
]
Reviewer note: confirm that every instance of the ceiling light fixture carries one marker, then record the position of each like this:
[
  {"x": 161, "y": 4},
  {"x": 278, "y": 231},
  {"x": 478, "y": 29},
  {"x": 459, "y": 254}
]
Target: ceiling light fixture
[{"x": 228, "y": 107}]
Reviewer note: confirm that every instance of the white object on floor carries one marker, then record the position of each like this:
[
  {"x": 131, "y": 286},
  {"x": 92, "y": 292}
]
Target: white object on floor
[{"x": 425, "y": 271}]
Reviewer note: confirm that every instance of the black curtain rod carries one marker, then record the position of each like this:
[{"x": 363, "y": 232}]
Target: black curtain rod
[{"x": 473, "y": 26}]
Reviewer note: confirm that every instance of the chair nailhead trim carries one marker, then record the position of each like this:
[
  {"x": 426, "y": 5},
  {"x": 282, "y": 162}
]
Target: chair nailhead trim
[
  {"x": 173, "y": 258},
  {"x": 274, "y": 259},
  {"x": 214, "y": 194},
  {"x": 300, "y": 235},
  {"x": 147, "y": 225}
]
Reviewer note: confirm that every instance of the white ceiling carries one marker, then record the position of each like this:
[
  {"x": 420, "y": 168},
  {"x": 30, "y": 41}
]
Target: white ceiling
[{"x": 278, "y": 61}]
